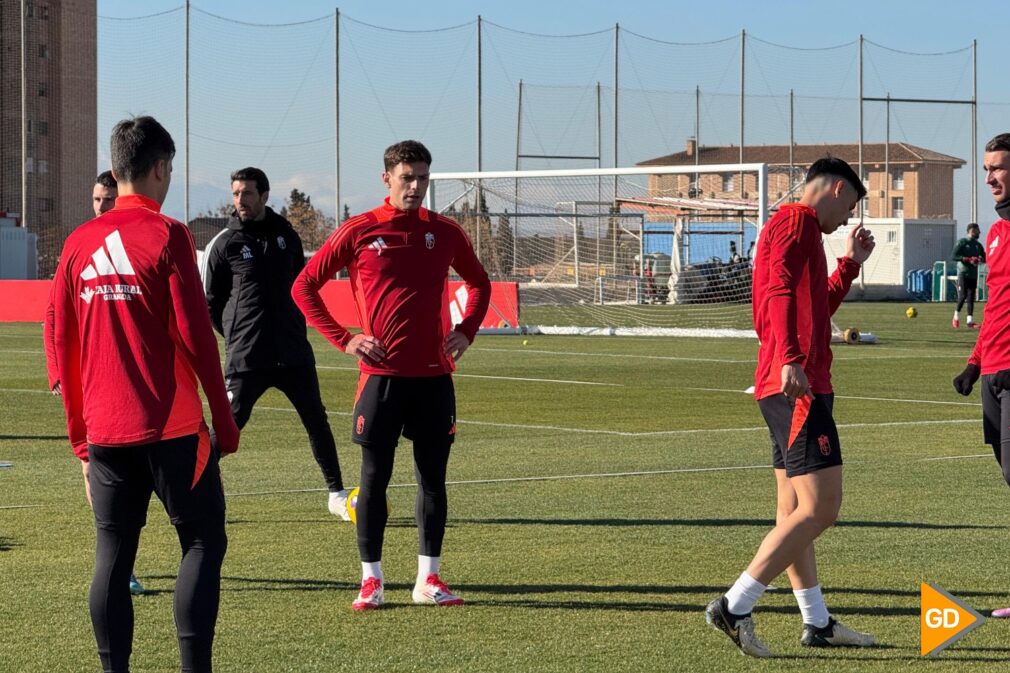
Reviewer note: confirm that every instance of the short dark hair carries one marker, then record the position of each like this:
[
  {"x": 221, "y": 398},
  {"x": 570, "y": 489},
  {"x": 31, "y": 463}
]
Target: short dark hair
[
  {"x": 972, "y": 225},
  {"x": 107, "y": 179},
  {"x": 833, "y": 166},
  {"x": 255, "y": 174},
  {"x": 137, "y": 144},
  {"x": 1000, "y": 143},
  {"x": 406, "y": 151}
]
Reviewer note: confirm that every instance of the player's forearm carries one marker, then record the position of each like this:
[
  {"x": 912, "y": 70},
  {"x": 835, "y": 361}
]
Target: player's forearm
[
  {"x": 49, "y": 345},
  {"x": 976, "y": 353},
  {"x": 782, "y": 313},
  {"x": 476, "y": 308},
  {"x": 840, "y": 282},
  {"x": 305, "y": 293}
]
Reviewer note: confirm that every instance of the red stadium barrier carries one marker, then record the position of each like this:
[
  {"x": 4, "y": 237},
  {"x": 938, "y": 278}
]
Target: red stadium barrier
[{"x": 25, "y": 301}]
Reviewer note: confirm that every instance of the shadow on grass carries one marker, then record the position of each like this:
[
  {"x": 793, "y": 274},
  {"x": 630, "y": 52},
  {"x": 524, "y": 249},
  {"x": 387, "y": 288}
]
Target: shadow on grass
[
  {"x": 53, "y": 437},
  {"x": 659, "y": 606},
  {"x": 705, "y": 523},
  {"x": 6, "y": 544},
  {"x": 615, "y": 591},
  {"x": 397, "y": 522}
]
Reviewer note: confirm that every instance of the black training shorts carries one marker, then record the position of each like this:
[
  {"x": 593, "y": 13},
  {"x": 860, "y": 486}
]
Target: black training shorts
[
  {"x": 803, "y": 433},
  {"x": 419, "y": 408},
  {"x": 183, "y": 472}
]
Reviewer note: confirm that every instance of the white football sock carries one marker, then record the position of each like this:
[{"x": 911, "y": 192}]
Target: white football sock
[
  {"x": 969, "y": 318},
  {"x": 955, "y": 314},
  {"x": 812, "y": 607},
  {"x": 371, "y": 570},
  {"x": 426, "y": 565},
  {"x": 744, "y": 594}
]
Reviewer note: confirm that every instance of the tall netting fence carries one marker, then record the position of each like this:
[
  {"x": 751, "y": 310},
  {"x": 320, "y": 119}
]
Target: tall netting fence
[{"x": 314, "y": 103}]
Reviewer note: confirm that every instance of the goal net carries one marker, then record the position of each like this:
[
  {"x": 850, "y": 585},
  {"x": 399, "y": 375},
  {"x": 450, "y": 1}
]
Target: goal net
[{"x": 647, "y": 250}]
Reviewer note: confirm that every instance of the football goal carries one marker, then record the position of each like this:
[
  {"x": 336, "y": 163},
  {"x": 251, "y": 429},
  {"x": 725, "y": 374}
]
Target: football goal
[{"x": 658, "y": 250}]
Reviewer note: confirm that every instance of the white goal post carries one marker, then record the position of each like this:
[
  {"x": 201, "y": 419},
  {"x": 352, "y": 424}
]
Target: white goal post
[{"x": 648, "y": 250}]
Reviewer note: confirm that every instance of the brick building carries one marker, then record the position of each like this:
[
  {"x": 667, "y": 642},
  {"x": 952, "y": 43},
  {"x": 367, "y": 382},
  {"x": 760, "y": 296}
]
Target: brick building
[
  {"x": 905, "y": 182},
  {"x": 59, "y": 57}
]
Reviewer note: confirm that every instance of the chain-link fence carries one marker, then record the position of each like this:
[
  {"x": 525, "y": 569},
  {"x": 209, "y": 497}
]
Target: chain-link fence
[{"x": 314, "y": 103}]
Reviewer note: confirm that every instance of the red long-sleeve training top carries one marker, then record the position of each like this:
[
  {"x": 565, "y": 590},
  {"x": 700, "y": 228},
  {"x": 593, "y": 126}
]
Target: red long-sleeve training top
[
  {"x": 992, "y": 349},
  {"x": 398, "y": 262},
  {"x": 131, "y": 330},
  {"x": 793, "y": 300}
]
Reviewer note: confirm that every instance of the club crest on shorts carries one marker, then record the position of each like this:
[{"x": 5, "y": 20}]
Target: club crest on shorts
[
  {"x": 281, "y": 243},
  {"x": 825, "y": 444},
  {"x": 429, "y": 240},
  {"x": 359, "y": 426}
]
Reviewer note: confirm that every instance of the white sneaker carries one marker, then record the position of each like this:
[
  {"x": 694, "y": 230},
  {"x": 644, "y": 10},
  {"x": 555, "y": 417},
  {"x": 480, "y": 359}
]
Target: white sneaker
[
  {"x": 740, "y": 629},
  {"x": 435, "y": 592},
  {"x": 338, "y": 504},
  {"x": 835, "y": 634},
  {"x": 370, "y": 597}
]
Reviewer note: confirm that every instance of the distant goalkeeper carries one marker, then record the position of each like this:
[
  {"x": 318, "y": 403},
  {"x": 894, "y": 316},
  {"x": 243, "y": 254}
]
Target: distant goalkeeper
[{"x": 968, "y": 253}]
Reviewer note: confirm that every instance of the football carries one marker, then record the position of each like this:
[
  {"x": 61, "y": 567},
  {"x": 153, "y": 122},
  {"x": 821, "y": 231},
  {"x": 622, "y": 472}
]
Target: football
[
  {"x": 911, "y": 312},
  {"x": 352, "y": 505}
]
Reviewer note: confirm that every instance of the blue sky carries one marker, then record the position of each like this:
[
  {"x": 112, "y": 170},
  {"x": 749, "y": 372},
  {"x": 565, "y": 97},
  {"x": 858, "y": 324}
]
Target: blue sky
[
  {"x": 920, "y": 25},
  {"x": 251, "y": 108}
]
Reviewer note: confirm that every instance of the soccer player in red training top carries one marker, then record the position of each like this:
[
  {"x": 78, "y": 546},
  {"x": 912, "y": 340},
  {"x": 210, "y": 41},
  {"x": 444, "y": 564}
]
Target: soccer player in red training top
[
  {"x": 793, "y": 302},
  {"x": 398, "y": 256},
  {"x": 133, "y": 338},
  {"x": 991, "y": 356},
  {"x": 103, "y": 198}
]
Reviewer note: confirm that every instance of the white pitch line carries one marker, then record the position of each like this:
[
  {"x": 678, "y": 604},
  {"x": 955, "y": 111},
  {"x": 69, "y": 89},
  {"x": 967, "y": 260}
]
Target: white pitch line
[
  {"x": 675, "y": 358},
  {"x": 905, "y": 355},
  {"x": 660, "y": 433},
  {"x": 851, "y": 397},
  {"x": 498, "y": 378},
  {"x": 552, "y": 477},
  {"x": 564, "y": 477},
  {"x": 974, "y": 455},
  {"x": 5, "y": 350}
]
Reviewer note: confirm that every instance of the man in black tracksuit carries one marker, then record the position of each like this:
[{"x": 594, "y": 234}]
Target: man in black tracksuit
[{"x": 248, "y": 270}]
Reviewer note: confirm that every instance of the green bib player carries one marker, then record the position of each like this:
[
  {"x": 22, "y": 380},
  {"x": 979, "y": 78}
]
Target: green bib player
[{"x": 968, "y": 253}]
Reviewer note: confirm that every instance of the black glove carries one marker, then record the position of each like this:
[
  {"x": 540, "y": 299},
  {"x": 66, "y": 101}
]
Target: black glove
[
  {"x": 964, "y": 381},
  {"x": 1001, "y": 380}
]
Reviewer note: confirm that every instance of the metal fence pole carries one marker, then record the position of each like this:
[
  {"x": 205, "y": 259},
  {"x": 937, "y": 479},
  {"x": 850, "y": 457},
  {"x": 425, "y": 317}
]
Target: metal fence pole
[
  {"x": 974, "y": 130},
  {"x": 24, "y": 118},
  {"x": 336, "y": 115},
  {"x": 861, "y": 213},
  {"x": 185, "y": 179},
  {"x": 743, "y": 79}
]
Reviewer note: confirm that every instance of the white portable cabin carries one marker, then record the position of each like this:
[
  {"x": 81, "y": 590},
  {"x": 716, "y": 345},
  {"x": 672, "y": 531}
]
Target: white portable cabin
[
  {"x": 18, "y": 254},
  {"x": 902, "y": 245}
]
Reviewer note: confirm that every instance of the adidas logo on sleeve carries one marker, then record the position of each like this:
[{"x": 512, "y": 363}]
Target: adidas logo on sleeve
[{"x": 109, "y": 260}]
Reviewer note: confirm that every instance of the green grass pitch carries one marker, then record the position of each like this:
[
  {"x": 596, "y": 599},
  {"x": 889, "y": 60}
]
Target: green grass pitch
[{"x": 664, "y": 499}]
